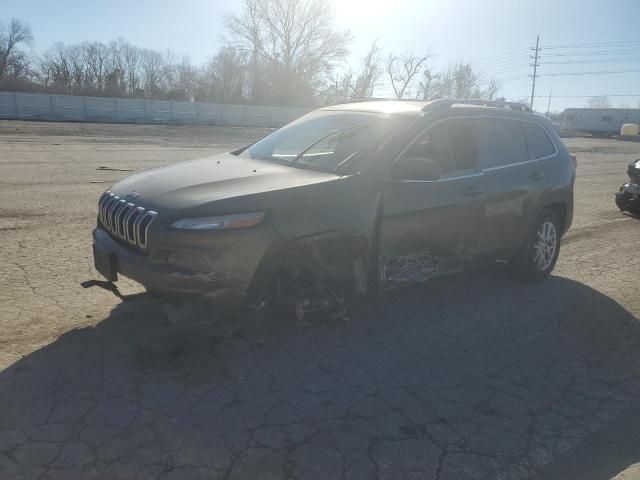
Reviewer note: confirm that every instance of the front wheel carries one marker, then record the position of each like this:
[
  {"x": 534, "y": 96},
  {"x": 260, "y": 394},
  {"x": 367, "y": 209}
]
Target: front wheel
[{"x": 539, "y": 254}]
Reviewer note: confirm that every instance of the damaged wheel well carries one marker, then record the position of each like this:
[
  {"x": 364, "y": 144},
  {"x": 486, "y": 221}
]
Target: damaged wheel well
[
  {"x": 320, "y": 272},
  {"x": 330, "y": 256}
]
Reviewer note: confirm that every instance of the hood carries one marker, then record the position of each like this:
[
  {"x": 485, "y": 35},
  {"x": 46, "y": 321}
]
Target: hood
[{"x": 204, "y": 180}]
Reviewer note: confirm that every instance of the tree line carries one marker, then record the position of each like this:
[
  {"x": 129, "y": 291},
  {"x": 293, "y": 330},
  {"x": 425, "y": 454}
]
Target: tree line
[{"x": 274, "y": 52}]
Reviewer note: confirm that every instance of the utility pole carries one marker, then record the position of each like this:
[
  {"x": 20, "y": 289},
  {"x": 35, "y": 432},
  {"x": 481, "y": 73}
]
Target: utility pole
[
  {"x": 535, "y": 68},
  {"x": 549, "y": 102}
]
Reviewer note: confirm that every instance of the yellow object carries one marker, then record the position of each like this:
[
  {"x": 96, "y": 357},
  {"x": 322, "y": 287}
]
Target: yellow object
[{"x": 630, "y": 130}]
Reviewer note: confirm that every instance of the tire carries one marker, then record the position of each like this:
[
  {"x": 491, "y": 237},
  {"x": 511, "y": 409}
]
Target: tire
[
  {"x": 626, "y": 203},
  {"x": 539, "y": 254}
]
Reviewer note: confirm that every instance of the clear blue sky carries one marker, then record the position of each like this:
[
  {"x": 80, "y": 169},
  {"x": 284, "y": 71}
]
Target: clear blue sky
[{"x": 469, "y": 30}]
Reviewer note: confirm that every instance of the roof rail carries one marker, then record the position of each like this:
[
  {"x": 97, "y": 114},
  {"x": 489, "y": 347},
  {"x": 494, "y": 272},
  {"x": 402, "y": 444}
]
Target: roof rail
[
  {"x": 446, "y": 103},
  {"x": 362, "y": 99}
]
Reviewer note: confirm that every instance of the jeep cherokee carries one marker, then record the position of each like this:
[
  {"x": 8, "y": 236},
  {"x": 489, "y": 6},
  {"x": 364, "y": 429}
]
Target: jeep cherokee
[{"x": 350, "y": 198}]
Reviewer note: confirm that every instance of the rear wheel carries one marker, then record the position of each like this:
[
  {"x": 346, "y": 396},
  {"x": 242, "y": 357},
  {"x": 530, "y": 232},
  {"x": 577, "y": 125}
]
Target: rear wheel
[{"x": 539, "y": 254}]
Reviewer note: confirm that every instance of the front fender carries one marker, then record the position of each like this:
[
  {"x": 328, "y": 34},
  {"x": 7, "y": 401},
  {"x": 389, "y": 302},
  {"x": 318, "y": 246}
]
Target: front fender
[{"x": 336, "y": 248}]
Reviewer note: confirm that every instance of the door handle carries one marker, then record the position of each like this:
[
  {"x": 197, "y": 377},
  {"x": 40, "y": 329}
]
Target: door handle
[
  {"x": 473, "y": 191},
  {"x": 536, "y": 175}
]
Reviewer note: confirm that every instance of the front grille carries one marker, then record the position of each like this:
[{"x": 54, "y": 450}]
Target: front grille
[{"x": 124, "y": 220}]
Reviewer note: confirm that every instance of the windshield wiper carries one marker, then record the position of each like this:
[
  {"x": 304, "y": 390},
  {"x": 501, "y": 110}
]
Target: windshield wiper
[
  {"x": 345, "y": 131},
  {"x": 345, "y": 161}
]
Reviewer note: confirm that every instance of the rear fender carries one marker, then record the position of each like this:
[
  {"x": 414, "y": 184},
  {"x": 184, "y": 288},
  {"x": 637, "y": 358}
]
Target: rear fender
[{"x": 561, "y": 197}]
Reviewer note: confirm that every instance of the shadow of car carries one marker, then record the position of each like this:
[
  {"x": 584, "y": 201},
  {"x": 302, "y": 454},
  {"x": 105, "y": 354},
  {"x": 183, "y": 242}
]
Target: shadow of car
[{"x": 472, "y": 377}]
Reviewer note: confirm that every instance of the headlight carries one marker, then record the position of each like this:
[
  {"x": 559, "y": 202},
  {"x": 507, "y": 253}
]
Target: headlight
[{"x": 220, "y": 222}]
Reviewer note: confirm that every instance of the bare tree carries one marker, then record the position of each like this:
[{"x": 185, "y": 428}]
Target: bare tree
[
  {"x": 116, "y": 84},
  {"x": 466, "y": 82},
  {"x": 295, "y": 39},
  {"x": 152, "y": 63},
  {"x": 230, "y": 69},
  {"x": 342, "y": 86},
  {"x": 74, "y": 57},
  {"x": 358, "y": 84},
  {"x": 493, "y": 87},
  {"x": 458, "y": 80},
  {"x": 425, "y": 90},
  {"x": 402, "y": 71},
  {"x": 13, "y": 60},
  {"x": 132, "y": 65},
  {"x": 370, "y": 73},
  {"x": 599, "y": 102},
  {"x": 56, "y": 69},
  {"x": 96, "y": 56},
  {"x": 186, "y": 78}
]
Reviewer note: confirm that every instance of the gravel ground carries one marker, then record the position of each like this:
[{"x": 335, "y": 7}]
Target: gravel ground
[{"x": 468, "y": 377}]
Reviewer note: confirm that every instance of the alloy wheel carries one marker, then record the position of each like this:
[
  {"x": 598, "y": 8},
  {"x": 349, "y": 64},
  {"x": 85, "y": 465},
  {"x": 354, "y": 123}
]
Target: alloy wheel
[{"x": 544, "y": 247}]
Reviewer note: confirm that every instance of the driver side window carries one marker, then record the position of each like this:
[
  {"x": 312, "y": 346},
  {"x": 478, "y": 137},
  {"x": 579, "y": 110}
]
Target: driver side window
[{"x": 451, "y": 144}]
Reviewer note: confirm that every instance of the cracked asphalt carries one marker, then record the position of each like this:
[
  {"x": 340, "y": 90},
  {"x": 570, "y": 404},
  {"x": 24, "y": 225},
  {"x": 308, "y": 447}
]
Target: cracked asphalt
[{"x": 473, "y": 376}]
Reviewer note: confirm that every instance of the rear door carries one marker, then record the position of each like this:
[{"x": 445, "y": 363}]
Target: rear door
[
  {"x": 511, "y": 181},
  {"x": 428, "y": 227}
]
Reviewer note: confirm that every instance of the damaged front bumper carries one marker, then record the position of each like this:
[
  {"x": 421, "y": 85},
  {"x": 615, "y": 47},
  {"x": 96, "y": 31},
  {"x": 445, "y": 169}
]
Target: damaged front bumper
[{"x": 161, "y": 277}]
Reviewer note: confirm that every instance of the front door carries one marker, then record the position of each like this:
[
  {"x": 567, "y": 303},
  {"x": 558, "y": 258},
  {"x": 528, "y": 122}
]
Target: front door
[{"x": 430, "y": 226}]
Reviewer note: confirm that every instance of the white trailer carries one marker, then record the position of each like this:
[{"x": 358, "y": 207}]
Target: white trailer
[{"x": 598, "y": 121}]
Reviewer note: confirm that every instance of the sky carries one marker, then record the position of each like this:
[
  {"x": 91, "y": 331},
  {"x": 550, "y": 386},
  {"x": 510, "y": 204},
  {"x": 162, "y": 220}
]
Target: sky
[{"x": 494, "y": 35}]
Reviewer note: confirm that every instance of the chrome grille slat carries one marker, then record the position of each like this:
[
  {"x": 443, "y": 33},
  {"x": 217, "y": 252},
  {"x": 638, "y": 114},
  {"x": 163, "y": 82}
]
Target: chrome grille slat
[
  {"x": 111, "y": 210},
  {"x": 130, "y": 232},
  {"x": 124, "y": 220},
  {"x": 143, "y": 227},
  {"x": 101, "y": 203},
  {"x": 116, "y": 215},
  {"x": 122, "y": 209}
]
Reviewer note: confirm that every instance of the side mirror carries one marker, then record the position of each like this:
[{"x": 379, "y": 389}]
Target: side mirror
[{"x": 416, "y": 168}]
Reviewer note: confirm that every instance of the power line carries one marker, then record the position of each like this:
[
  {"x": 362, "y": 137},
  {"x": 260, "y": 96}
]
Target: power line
[
  {"x": 505, "y": 62},
  {"x": 591, "y": 53},
  {"x": 581, "y": 62},
  {"x": 570, "y": 74},
  {"x": 602, "y": 72},
  {"x": 593, "y": 45},
  {"x": 593, "y": 96},
  {"x": 513, "y": 61},
  {"x": 505, "y": 69},
  {"x": 519, "y": 51}
]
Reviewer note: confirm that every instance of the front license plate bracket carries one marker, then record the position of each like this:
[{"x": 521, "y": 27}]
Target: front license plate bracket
[{"x": 106, "y": 263}]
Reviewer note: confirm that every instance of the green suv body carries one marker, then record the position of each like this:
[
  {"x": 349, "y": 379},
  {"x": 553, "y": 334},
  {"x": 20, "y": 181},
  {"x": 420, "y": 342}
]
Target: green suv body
[{"x": 360, "y": 195}]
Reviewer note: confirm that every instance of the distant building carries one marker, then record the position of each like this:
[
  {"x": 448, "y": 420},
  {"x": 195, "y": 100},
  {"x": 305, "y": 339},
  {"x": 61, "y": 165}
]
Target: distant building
[{"x": 599, "y": 121}]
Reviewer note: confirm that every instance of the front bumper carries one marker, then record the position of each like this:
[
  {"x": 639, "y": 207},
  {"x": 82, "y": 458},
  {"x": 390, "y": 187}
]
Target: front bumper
[{"x": 225, "y": 283}]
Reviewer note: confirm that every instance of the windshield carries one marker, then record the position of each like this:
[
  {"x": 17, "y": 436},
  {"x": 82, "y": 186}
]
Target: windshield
[{"x": 323, "y": 141}]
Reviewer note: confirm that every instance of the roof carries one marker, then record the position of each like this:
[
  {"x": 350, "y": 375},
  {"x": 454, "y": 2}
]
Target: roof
[
  {"x": 416, "y": 107},
  {"x": 607, "y": 109},
  {"x": 380, "y": 106}
]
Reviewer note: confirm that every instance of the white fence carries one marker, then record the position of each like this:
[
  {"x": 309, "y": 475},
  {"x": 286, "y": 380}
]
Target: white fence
[{"x": 36, "y": 106}]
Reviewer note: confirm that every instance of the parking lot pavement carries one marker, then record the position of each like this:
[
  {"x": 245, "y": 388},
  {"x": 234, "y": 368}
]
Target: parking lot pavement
[{"x": 472, "y": 376}]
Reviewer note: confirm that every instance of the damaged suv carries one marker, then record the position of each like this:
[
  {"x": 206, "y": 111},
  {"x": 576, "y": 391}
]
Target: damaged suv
[{"x": 349, "y": 199}]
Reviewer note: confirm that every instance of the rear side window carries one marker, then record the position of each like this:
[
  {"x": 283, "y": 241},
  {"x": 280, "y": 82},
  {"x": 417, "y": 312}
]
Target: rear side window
[
  {"x": 500, "y": 142},
  {"x": 539, "y": 143}
]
